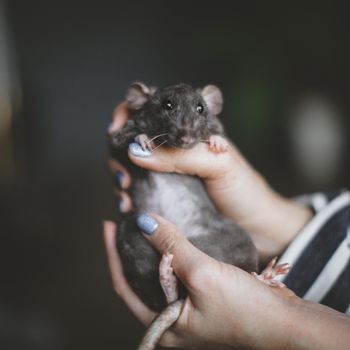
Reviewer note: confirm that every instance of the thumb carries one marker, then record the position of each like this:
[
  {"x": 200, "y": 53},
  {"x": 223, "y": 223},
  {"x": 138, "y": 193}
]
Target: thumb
[
  {"x": 165, "y": 237},
  {"x": 198, "y": 161}
]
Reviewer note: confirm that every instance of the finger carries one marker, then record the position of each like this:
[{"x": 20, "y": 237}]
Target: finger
[
  {"x": 120, "y": 116},
  {"x": 121, "y": 286},
  {"x": 121, "y": 176},
  {"x": 165, "y": 237},
  {"x": 123, "y": 201},
  {"x": 198, "y": 161}
]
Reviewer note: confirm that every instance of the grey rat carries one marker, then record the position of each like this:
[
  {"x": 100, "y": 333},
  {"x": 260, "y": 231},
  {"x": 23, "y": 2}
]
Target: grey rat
[{"x": 174, "y": 116}]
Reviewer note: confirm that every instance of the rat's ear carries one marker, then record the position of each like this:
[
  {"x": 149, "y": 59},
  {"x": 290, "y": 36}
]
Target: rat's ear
[
  {"x": 137, "y": 95},
  {"x": 213, "y": 99}
]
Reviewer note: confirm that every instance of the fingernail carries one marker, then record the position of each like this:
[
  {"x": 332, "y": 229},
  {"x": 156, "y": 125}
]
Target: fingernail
[
  {"x": 118, "y": 178},
  {"x": 119, "y": 204},
  {"x": 136, "y": 150},
  {"x": 147, "y": 224}
]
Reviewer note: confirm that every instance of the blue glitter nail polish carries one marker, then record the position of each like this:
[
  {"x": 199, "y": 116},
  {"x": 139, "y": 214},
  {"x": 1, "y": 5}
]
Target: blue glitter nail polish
[
  {"x": 118, "y": 178},
  {"x": 147, "y": 224},
  {"x": 136, "y": 150},
  {"x": 119, "y": 204}
]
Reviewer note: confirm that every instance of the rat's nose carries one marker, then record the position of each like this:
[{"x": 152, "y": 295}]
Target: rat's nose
[{"x": 187, "y": 140}]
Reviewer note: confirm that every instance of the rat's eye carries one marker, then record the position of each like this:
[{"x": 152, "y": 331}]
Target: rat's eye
[
  {"x": 168, "y": 105},
  {"x": 200, "y": 108}
]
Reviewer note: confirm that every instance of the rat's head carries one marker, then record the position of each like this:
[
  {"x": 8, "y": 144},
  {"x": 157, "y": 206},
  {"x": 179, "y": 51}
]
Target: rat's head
[{"x": 178, "y": 111}]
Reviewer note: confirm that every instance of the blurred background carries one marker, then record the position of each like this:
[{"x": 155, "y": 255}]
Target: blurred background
[{"x": 64, "y": 65}]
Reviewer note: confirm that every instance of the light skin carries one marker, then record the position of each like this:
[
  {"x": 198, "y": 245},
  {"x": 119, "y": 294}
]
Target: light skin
[{"x": 242, "y": 311}]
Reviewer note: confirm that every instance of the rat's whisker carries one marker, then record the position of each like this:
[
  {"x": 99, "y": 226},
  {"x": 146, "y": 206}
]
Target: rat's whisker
[
  {"x": 159, "y": 145},
  {"x": 155, "y": 137}
]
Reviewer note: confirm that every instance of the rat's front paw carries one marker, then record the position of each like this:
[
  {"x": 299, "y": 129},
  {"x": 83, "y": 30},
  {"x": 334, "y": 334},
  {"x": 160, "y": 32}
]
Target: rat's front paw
[
  {"x": 217, "y": 143},
  {"x": 144, "y": 142}
]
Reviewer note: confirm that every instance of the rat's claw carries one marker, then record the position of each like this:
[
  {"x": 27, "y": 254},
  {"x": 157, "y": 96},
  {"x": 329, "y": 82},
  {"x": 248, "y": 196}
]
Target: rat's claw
[
  {"x": 211, "y": 143},
  {"x": 282, "y": 269},
  {"x": 271, "y": 271},
  {"x": 144, "y": 142},
  {"x": 150, "y": 145},
  {"x": 216, "y": 146},
  {"x": 276, "y": 284},
  {"x": 217, "y": 143}
]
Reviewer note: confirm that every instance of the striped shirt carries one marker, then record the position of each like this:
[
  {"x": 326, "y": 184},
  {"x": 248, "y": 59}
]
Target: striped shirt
[{"x": 320, "y": 253}]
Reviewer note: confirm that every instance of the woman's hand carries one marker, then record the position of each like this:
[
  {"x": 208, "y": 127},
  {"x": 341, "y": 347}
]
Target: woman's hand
[
  {"x": 227, "y": 307},
  {"x": 236, "y": 189}
]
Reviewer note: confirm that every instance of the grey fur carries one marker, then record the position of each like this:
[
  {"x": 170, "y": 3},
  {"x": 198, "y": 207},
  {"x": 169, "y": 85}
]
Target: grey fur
[{"x": 182, "y": 200}]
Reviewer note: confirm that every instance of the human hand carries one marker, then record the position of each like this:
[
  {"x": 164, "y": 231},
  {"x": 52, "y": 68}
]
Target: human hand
[
  {"x": 236, "y": 189},
  {"x": 225, "y": 306},
  {"x": 277, "y": 319}
]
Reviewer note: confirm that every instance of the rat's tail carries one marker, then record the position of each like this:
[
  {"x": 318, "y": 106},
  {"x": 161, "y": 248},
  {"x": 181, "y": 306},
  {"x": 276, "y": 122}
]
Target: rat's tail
[{"x": 160, "y": 324}]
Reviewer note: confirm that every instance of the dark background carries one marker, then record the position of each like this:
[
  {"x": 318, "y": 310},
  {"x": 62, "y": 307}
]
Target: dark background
[{"x": 73, "y": 61}]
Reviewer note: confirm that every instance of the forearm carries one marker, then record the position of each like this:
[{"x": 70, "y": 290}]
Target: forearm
[
  {"x": 244, "y": 196},
  {"x": 295, "y": 324},
  {"x": 276, "y": 225},
  {"x": 315, "y": 326}
]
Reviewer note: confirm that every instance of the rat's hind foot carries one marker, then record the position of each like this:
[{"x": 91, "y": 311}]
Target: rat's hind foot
[
  {"x": 171, "y": 313},
  {"x": 167, "y": 278},
  {"x": 217, "y": 143},
  {"x": 144, "y": 142},
  {"x": 271, "y": 271}
]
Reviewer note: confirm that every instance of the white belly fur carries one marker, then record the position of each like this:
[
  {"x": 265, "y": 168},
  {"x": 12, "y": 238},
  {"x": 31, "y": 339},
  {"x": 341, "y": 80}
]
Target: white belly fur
[{"x": 180, "y": 199}]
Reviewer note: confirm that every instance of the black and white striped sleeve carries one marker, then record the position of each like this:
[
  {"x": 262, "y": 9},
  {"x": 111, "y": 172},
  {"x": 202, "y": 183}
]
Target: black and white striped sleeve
[{"x": 320, "y": 254}]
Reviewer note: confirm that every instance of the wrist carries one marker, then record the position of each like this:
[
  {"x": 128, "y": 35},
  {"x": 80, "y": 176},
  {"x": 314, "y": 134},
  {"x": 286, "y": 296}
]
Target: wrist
[
  {"x": 315, "y": 326},
  {"x": 282, "y": 320},
  {"x": 275, "y": 224},
  {"x": 268, "y": 323}
]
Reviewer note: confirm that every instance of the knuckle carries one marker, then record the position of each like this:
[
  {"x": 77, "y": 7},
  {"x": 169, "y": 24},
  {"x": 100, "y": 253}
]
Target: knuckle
[{"x": 168, "y": 242}]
